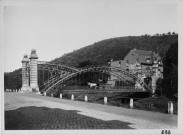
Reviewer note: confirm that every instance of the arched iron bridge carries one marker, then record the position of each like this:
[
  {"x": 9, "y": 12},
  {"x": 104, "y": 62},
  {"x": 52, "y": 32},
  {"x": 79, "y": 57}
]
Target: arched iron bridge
[{"x": 58, "y": 74}]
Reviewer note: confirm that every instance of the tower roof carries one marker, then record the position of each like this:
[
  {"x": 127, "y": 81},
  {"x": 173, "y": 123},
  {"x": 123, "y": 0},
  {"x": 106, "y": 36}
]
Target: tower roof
[
  {"x": 33, "y": 54},
  {"x": 144, "y": 52},
  {"x": 25, "y": 58}
]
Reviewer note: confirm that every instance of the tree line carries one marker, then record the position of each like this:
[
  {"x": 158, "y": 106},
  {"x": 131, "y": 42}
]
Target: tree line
[{"x": 169, "y": 84}]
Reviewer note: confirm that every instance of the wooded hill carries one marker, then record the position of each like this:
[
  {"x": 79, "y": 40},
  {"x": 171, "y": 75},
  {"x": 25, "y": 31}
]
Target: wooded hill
[{"x": 101, "y": 52}]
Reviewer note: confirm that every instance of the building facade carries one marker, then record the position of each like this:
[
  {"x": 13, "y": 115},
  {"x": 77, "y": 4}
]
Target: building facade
[{"x": 147, "y": 65}]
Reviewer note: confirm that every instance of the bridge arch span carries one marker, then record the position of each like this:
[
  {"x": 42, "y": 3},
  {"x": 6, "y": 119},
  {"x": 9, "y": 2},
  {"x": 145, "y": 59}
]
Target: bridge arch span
[{"x": 110, "y": 70}]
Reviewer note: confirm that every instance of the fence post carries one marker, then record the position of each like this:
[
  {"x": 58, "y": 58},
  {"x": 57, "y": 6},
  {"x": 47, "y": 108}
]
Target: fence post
[
  {"x": 86, "y": 98},
  {"x": 105, "y": 100},
  {"x": 131, "y": 103},
  {"x": 60, "y": 95},
  {"x": 72, "y": 97},
  {"x": 170, "y": 107}
]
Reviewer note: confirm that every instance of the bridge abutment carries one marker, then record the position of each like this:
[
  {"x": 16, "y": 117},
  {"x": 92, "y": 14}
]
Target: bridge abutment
[
  {"x": 33, "y": 71},
  {"x": 25, "y": 76}
]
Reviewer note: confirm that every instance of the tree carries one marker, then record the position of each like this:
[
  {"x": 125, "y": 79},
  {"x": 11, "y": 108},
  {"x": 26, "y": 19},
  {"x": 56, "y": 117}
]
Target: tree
[
  {"x": 159, "y": 88},
  {"x": 169, "y": 33},
  {"x": 170, "y": 71},
  {"x": 13, "y": 80},
  {"x": 86, "y": 63},
  {"x": 157, "y": 34},
  {"x": 173, "y": 33}
]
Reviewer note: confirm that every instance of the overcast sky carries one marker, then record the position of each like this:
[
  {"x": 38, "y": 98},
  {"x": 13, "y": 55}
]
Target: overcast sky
[{"x": 57, "y": 28}]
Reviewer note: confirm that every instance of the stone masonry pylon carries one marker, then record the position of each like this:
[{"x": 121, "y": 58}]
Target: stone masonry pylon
[
  {"x": 25, "y": 76},
  {"x": 33, "y": 71}
]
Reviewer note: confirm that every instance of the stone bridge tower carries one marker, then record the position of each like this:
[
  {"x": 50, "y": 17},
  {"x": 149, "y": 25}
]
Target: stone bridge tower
[
  {"x": 25, "y": 75},
  {"x": 33, "y": 71}
]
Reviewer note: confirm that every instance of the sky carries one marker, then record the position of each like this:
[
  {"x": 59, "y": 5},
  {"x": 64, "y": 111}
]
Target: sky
[{"x": 57, "y": 28}]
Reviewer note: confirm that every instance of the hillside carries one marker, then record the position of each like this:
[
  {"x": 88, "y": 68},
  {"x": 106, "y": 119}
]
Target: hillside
[{"x": 101, "y": 52}]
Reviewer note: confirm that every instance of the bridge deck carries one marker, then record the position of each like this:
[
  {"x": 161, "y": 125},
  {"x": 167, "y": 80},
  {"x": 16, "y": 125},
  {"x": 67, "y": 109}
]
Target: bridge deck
[{"x": 104, "y": 91}]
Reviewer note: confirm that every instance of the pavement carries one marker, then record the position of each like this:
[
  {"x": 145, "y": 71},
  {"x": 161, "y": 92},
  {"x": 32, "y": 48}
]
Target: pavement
[{"x": 30, "y": 111}]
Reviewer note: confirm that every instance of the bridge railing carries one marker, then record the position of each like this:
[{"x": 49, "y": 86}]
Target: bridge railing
[
  {"x": 99, "y": 87},
  {"x": 75, "y": 87},
  {"x": 123, "y": 87}
]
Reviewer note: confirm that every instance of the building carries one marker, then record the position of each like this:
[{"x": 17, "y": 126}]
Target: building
[{"x": 146, "y": 64}]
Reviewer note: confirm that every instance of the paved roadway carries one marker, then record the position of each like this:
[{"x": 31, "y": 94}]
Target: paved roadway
[{"x": 32, "y": 111}]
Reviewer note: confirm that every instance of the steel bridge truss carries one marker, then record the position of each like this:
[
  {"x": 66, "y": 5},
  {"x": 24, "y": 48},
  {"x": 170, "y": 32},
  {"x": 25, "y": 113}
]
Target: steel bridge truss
[{"x": 59, "y": 74}]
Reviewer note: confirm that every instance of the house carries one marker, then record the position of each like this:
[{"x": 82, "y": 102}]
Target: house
[{"x": 145, "y": 64}]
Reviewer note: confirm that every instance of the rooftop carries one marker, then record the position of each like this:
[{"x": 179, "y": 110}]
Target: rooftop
[{"x": 143, "y": 52}]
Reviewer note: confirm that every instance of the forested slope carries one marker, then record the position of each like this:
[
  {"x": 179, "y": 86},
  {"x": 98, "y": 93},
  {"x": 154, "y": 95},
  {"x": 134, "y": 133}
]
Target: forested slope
[{"x": 117, "y": 48}]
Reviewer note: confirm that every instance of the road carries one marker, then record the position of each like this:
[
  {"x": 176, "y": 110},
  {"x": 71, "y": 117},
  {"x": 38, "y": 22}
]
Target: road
[{"x": 29, "y": 111}]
